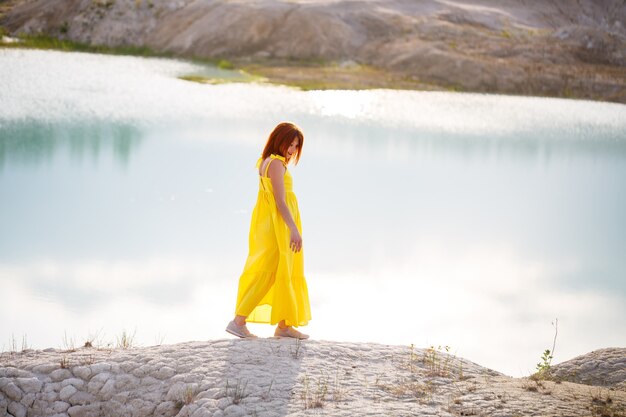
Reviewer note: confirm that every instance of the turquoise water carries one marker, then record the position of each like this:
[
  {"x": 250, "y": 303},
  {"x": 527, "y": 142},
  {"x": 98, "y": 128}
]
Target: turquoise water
[{"x": 429, "y": 218}]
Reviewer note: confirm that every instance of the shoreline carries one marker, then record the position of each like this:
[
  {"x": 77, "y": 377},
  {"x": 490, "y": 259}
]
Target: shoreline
[
  {"x": 345, "y": 75},
  {"x": 537, "y": 49},
  {"x": 286, "y": 377}
]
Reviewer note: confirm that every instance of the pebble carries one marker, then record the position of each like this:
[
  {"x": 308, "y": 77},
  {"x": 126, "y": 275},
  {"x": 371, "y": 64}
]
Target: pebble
[
  {"x": 82, "y": 372},
  {"x": 202, "y": 412},
  {"x": 76, "y": 382},
  {"x": 60, "y": 406},
  {"x": 97, "y": 382},
  {"x": 60, "y": 375},
  {"x": 108, "y": 390},
  {"x": 45, "y": 368},
  {"x": 17, "y": 409},
  {"x": 12, "y": 391},
  {"x": 82, "y": 398},
  {"x": 67, "y": 392},
  {"x": 234, "y": 410},
  {"x": 28, "y": 400},
  {"x": 166, "y": 408},
  {"x": 100, "y": 367}
]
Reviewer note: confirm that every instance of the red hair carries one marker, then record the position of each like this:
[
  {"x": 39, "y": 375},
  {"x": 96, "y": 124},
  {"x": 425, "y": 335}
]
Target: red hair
[{"x": 280, "y": 139}]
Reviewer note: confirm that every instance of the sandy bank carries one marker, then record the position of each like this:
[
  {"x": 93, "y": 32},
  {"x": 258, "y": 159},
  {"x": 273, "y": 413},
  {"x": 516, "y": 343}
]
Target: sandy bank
[
  {"x": 560, "y": 48},
  {"x": 281, "y": 377}
]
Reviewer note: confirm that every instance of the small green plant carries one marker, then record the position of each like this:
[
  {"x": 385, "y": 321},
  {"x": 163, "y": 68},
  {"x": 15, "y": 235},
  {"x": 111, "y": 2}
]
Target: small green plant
[
  {"x": 65, "y": 27},
  {"x": 126, "y": 340},
  {"x": 544, "y": 369}
]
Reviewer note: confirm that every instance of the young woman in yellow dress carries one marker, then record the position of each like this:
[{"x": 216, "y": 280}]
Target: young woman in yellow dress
[{"x": 272, "y": 287}]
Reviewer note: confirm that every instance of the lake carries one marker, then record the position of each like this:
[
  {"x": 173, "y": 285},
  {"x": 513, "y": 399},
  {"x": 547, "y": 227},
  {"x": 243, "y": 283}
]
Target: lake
[{"x": 429, "y": 218}]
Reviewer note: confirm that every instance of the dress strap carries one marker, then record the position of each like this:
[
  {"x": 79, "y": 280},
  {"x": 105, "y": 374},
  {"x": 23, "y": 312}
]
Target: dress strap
[{"x": 273, "y": 156}]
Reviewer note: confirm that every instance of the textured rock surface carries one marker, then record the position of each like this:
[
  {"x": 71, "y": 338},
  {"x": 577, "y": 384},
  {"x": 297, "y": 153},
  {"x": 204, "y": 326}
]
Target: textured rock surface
[
  {"x": 602, "y": 367},
  {"x": 281, "y": 377},
  {"x": 563, "y": 48}
]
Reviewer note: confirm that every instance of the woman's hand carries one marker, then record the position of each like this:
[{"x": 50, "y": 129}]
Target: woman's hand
[
  {"x": 295, "y": 241},
  {"x": 276, "y": 173}
]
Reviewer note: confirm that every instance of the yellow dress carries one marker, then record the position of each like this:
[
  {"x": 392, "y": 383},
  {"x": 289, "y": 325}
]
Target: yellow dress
[{"x": 272, "y": 286}]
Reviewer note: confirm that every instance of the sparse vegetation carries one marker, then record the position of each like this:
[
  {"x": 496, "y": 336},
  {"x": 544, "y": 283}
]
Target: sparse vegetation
[
  {"x": 49, "y": 42},
  {"x": 237, "y": 392},
  {"x": 269, "y": 390},
  {"x": 314, "y": 397},
  {"x": 94, "y": 340},
  {"x": 295, "y": 352},
  {"x": 126, "y": 340},
  {"x": 225, "y": 64},
  {"x": 408, "y": 387},
  {"x": 107, "y": 4},
  {"x": 189, "y": 394},
  {"x": 544, "y": 367},
  {"x": 13, "y": 344},
  {"x": 68, "y": 343},
  {"x": 65, "y": 362},
  {"x": 602, "y": 405},
  {"x": 438, "y": 361}
]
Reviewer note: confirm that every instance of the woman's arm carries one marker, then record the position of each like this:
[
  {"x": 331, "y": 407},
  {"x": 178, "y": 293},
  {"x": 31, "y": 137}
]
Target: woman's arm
[{"x": 276, "y": 172}]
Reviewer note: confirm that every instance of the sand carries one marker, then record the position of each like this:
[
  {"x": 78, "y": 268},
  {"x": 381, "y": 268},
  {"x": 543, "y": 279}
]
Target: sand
[{"x": 286, "y": 377}]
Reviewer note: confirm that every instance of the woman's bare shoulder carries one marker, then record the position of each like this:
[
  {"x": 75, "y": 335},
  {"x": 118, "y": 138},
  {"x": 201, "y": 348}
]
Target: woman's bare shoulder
[{"x": 276, "y": 169}]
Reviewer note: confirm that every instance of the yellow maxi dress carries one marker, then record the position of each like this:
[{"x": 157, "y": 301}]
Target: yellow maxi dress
[{"x": 272, "y": 286}]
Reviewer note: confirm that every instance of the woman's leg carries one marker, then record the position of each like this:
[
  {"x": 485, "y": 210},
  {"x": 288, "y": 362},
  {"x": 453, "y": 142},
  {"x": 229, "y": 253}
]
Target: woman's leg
[
  {"x": 240, "y": 320},
  {"x": 282, "y": 324}
]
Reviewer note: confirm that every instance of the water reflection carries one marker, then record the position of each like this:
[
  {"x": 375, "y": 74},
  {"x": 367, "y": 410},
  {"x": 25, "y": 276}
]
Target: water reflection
[{"x": 35, "y": 142}]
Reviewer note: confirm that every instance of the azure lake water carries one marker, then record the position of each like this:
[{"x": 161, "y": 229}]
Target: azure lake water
[{"x": 430, "y": 218}]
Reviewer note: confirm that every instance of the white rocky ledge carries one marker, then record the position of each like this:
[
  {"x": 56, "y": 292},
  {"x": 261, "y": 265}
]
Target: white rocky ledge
[{"x": 284, "y": 377}]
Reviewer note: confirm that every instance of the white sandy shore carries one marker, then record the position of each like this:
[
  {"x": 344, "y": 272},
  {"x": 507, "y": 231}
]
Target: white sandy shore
[{"x": 284, "y": 377}]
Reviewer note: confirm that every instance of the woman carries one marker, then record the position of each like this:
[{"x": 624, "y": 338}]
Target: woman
[{"x": 272, "y": 287}]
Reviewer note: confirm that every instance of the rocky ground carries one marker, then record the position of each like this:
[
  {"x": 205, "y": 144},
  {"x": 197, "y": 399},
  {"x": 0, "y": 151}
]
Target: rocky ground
[
  {"x": 560, "y": 48},
  {"x": 284, "y": 377}
]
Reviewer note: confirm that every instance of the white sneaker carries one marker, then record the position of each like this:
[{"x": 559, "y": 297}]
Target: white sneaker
[
  {"x": 290, "y": 332},
  {"x": 239, "y": 331}
]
